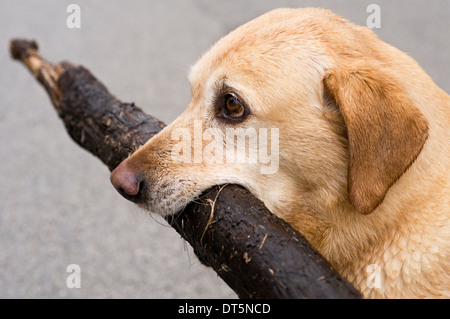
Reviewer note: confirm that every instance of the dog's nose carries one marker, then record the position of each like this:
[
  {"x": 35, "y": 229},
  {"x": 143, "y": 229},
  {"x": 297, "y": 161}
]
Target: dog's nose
[{"x": 126, "y": 181}]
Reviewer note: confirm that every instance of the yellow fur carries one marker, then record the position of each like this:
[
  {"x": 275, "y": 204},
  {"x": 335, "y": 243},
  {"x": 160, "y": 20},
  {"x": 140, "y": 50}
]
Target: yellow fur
[{"x": 278, "y": 63}]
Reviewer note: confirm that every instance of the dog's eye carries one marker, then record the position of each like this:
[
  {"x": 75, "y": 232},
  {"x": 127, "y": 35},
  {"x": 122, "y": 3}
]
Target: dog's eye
[
  {"x": 233, "y": 107},
  {"x": 230, "y": 107}
]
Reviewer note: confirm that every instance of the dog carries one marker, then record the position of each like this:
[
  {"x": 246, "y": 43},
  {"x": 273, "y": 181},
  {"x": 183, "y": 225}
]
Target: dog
[{"x": 362, "y": 139}]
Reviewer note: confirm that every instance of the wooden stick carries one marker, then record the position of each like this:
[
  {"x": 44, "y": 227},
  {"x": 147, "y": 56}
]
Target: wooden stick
[{"x": 254, "y": 252}]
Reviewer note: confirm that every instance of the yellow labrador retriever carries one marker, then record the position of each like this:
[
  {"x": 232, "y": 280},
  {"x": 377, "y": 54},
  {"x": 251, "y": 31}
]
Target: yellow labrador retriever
[{"x": 351, "y": 139}]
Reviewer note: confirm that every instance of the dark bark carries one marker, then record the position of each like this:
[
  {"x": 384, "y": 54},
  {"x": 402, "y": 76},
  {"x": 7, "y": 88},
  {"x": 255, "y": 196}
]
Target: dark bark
[{"x": 254, "y": 252}]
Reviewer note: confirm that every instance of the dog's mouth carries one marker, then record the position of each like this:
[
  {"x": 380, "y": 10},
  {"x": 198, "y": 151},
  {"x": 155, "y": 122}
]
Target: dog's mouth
[{"x": 165, "y": 200}]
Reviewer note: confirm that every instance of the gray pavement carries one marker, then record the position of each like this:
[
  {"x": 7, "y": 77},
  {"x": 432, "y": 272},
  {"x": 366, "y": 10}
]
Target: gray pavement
[{"x": 57, "y": 206}]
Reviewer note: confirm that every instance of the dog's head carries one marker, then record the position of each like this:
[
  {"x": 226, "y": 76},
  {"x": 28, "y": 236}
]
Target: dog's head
[{"x": 299, "y": 106}]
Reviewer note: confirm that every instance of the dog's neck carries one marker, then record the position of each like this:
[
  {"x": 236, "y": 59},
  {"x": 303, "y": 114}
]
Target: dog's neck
[
  {"x": 369, "y": 250},
  {"x": 390, "y": 247}
]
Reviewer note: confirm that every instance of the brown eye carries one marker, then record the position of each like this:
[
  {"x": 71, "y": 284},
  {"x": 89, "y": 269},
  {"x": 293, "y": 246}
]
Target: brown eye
[{"x": 233, "y": 107}]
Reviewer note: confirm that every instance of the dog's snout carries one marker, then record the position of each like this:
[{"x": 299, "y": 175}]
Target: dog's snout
[{"x": 126, "y": 181}]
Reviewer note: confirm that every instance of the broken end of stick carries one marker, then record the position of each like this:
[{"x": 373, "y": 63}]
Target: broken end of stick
[
  {"x": 26, "y": 51},
  {"x": 22, "y": 49}
]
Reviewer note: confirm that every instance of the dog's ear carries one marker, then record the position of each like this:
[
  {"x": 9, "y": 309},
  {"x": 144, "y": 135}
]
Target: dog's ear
[{"x": 386, "y": 132}]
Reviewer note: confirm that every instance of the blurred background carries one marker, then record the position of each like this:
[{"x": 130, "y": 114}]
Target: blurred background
[{"x": 57, "y": 206}]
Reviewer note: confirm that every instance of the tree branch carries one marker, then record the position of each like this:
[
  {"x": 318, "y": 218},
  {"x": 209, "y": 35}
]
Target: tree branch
[{"x": 254, "y": 252}]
